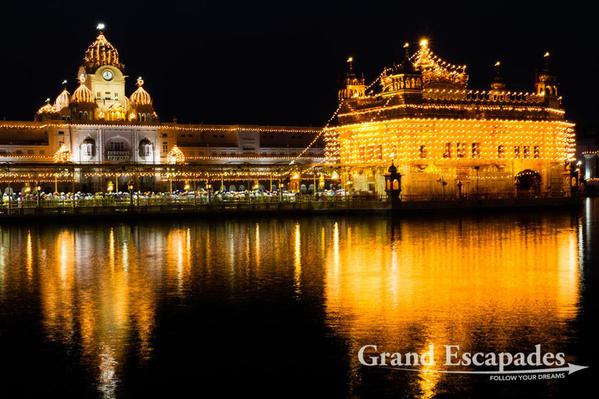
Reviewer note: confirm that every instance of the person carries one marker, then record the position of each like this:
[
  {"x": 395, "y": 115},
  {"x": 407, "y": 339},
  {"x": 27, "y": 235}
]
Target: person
[{"x": 459, "y": 189}]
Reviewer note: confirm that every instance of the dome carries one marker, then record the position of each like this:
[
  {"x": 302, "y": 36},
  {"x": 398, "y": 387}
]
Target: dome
[
  {"x": 101, "y": 52},
  {"x": 83, "y": 95},
  {"x": 62, "y": 101},
  {"x": 140, "y": 96},
  {"x": 47, "y": 108}
]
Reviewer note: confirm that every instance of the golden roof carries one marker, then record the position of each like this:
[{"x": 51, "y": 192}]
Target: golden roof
[
  {"x": 101, "y": 52},
  {"x": 47, "y": 108},
  {"x": 140, "y": 96},
  {"x": 436, "y": 70},
  {"x": 83, "y": 95},
  {"x": 62, "y": 101}
]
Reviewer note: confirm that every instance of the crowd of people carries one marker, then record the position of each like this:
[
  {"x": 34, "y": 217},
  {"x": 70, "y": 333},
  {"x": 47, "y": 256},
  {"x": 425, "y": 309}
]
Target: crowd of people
[{"x": 201, "y": 196}]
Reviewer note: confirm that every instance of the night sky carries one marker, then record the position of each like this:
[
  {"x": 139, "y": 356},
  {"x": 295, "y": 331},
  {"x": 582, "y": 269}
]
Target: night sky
[{"x": 281, "y": 62}]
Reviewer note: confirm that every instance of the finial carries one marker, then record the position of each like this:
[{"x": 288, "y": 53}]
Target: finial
[
  {"x": 350, "y": 64},
  {"x": 497, "y": 67},
  {"x": 47, "y": 100},
  {"x": 82, "y": 78},
  {"x": 424, "y": 42},
  {"x": 64, "y": 83},
  {"x": 546, "y": 55},
  {"x": 140, "y": 82},
  {"x": 100, "y": 26},
  {"x": 406, "y": 47}
]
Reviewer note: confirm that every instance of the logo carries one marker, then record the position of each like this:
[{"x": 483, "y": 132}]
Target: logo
[{"x": 502, "y": 366}]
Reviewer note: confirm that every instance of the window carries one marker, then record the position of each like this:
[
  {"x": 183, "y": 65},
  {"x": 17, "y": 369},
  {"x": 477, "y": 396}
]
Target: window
[
  {"x": 517, "y": 152},
  {"x": 98, "y": 94},
  {"x": 536, "y": 152},
  {"x": 116, "y": 146},
  {"x": 61, "y": 133},
  {"x": 500, "y": 151},
  {"x": 461, "y": 150},
  {"x": 165, "y": 147},
  {"x": 475, "y": 150},
  {"x": 422, "y": 151},
  {"x": 526, "y": 151},
  {"x": 447, "y": 151},
  {"x": 377, "y": 152},
  {"x": 29, "y": 152}
]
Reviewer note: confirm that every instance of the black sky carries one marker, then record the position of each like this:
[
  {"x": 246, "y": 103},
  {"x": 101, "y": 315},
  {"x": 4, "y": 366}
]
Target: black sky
[{"x": 281, "y": 62}]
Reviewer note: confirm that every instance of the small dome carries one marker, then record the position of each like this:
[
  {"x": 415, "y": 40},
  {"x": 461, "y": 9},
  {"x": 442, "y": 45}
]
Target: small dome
[
  {"x": 83, "y": 95},
  {"x": 47, "y": 108},
  {"x": 101, "y": 52},
  {"x": 62, "y": 101},
  {"x": 392, "y": 168},
  {"x": 140, "y": 96}
]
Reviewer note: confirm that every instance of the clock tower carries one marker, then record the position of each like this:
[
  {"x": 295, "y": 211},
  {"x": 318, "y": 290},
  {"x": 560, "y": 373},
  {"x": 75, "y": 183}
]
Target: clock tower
[{"x": 102, "y": 73}]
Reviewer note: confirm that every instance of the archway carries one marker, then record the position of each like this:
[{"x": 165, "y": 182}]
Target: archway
[{"x": 528, "y": 180}]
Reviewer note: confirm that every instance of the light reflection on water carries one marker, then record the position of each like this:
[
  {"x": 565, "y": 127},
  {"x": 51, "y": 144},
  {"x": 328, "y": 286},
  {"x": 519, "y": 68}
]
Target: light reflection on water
[{"x": 479, "y": 283}]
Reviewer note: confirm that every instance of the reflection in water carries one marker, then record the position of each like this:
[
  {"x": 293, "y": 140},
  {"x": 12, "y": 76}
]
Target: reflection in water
[
  {"x": 441, "y": 282},
  {"x": 401, "y": 286}
]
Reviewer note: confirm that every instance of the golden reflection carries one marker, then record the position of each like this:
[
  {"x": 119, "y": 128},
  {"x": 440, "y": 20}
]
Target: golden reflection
[
  {"x": 442, "y": 278},
  {"x": 29, "y": 256},
  {"x": 257, "y": 246},
  {"x": 106, "y": 304},
  {"x": 297, "y": 260},
  {"x": 178, "y": 248}
]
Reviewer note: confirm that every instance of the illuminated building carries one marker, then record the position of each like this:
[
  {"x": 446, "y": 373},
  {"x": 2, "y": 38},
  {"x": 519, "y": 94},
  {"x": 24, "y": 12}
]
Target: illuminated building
[
  {"x": 447, "y": 139},
  {"x": 98, "y": 132}
]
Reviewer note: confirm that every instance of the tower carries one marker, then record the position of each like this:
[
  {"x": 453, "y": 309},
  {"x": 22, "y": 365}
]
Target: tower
[
  {"x": 498, "y": 85},
  {"x": 102, "y": 72},
  {"x": 546, "y": 83},
  {"x": 354, "y": 86},
  {"x": 403, "y": 79}
]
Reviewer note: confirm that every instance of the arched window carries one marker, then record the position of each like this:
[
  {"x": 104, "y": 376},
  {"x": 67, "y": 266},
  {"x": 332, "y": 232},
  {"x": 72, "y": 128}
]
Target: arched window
[
  {"x": 88, "y": 148},
  {"x": 145, "y": 148}
]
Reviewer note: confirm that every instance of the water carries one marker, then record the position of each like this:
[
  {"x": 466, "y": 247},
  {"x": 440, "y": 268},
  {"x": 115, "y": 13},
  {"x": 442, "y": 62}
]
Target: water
[{"x": 226, "y": 308}]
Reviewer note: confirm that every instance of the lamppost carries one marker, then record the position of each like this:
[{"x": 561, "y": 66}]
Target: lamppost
[
  {"x": 130, "y": 187},
  {"x": 393, "y": 185},
  {"x": 477, "y": 168},
  {"x": 38, "y": 189}
]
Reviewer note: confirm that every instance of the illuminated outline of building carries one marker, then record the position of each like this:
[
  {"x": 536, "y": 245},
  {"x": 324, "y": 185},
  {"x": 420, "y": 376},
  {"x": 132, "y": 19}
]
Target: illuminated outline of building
[
  {"x": 447, "y": 139},
  {"x": 98, "y": 129}
]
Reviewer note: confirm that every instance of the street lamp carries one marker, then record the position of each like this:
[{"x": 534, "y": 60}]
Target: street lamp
[
  {"x": 209, "y": 188},
  {"x": 38, "y": 190},
  {"x": 130, "y": 187},
  {"x": 477, "y": 168}
]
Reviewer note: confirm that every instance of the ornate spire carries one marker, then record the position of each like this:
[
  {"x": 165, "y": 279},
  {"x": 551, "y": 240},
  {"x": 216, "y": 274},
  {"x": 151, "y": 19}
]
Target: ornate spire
[
  {"x": 140, "y": 96},
  {"x": 83, "y": 95},
  {"x": 498, "y": 84},
  {"x": 63, "y": 99},
  {"x": 436, "y": 71},
  {"x": 101, "y": 52}
]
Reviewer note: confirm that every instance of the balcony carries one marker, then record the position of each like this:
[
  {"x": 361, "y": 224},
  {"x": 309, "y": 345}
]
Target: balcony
[{"x": 118, "y": 156}]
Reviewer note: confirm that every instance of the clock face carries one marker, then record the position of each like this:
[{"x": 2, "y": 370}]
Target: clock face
[{"x": 107, "y": 74}]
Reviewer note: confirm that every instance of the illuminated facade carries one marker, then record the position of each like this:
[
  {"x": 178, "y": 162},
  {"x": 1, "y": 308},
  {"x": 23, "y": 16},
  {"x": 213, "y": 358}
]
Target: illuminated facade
[
  {"x": 98, "y": 129},
  {"x": 447, "y": 139}
]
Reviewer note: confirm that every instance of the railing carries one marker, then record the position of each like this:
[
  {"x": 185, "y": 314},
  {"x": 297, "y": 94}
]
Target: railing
[
  {"x": 156, "y": 204},
  {"x": 189, "y": 202},
  {"x": 118, "y": 155}
]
